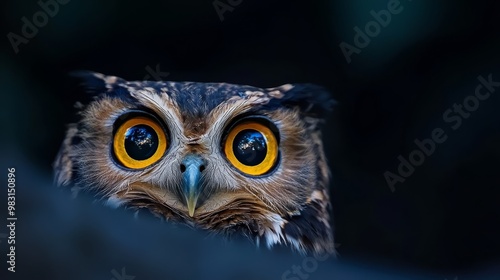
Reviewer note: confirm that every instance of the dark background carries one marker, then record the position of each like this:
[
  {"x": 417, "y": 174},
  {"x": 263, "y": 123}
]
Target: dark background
[{"x": 442, "y": 221}]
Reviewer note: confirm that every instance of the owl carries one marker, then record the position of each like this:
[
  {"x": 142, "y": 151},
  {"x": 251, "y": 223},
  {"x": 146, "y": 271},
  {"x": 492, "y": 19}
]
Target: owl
[{"x": 229, "y": 159}]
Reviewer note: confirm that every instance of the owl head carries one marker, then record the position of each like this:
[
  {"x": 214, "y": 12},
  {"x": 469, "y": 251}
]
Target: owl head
[{"x": 231, "y": 159}]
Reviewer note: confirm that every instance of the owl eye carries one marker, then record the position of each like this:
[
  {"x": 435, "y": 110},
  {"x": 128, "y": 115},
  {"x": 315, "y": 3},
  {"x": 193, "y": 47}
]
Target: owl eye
[
  {"x": 252, "y": 148},
  {"x": 139, "y": 142}
]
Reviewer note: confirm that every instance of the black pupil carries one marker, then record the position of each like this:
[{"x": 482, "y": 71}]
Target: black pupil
[
  {"x": 141, "y": 142},
  {"x": 250, "y": 147}
]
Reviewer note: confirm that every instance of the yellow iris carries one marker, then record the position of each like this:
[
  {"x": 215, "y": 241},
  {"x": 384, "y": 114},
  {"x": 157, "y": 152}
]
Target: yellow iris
[
  {"x": 139, "y": 142},
  {"x": 252, "y": 148}
]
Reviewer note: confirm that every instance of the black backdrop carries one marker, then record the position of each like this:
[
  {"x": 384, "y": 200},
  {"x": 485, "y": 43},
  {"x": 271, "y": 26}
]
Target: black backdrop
[{"x": 396, "y": 86}]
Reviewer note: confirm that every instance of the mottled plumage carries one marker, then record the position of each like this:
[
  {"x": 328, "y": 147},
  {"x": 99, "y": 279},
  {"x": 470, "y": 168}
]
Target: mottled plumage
[{"x": 288, "y": 204}]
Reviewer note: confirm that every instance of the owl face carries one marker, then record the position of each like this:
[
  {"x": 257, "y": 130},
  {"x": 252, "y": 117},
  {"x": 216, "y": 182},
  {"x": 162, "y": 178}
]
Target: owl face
[{"x": 227, "y": 158}]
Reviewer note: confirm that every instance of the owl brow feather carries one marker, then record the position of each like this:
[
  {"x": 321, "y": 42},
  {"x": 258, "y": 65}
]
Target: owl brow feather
[
  {"x": 165, "y": 105},
  {"x": 231, "y": 108}
]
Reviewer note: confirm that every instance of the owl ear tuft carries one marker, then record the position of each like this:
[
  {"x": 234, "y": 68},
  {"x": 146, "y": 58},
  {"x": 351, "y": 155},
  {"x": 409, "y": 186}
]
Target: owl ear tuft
[
  {"x": 96, "y": 83},
  {"x": 313, "y": 100}
]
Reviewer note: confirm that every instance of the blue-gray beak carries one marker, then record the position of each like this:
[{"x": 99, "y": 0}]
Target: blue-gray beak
[{"x": 191, "y": 167}]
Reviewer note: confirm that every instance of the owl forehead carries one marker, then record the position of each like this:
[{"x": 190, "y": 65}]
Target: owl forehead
[
  {"x": 197, "y": 105},
  {"x": 197, "y": 100}
]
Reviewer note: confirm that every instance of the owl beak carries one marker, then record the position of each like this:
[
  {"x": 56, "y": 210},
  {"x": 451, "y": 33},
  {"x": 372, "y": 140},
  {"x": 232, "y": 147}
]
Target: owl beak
[{"x": 191, "y": 167}]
